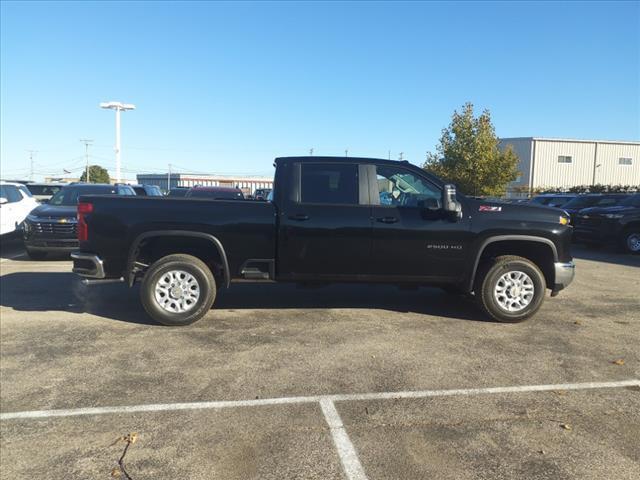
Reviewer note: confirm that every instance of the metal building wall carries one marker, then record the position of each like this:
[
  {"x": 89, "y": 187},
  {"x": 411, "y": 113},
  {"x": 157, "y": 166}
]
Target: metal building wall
[
  {"x": 610, "y": 172},
  {"x": 522, "y": 148},
  {"x": 548, "y": 172}
]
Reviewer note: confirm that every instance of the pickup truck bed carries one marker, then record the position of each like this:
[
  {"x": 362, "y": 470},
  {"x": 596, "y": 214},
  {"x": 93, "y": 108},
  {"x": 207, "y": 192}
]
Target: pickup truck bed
[{"x": 247, "y": 227}]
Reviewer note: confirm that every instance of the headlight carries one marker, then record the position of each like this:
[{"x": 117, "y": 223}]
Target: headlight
[
  {"x": 564, "y": 220},
  {"x": 614, "y": 215}
]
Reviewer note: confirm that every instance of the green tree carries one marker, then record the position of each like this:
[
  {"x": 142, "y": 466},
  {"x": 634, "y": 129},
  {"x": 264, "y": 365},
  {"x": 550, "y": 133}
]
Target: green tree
[
  {"x": 468, "y": 155},
  {"x": 97, "y": 174}
]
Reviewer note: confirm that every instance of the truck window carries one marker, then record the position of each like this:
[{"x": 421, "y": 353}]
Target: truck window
[
  {"x": 402, "y": 188},
  {"x": 329, "y": 183}
]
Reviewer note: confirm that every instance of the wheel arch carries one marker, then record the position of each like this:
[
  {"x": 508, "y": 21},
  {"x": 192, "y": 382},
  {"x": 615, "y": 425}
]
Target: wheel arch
[
  {"x": 139, "y": 241},
  {"x": 513, "y": 244}
]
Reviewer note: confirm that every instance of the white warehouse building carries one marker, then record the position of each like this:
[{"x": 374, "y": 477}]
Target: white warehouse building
[
  {"x": 564, "y": 163},
  {"x": 247, "y": 184}
]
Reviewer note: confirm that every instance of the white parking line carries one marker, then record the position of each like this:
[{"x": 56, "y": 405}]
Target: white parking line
[
  {"x": 162, "y": 407},
  {"x": 346, "y": 451}
]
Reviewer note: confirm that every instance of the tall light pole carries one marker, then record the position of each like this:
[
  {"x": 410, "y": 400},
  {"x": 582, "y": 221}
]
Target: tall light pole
[{"x": 118, "y": 107}]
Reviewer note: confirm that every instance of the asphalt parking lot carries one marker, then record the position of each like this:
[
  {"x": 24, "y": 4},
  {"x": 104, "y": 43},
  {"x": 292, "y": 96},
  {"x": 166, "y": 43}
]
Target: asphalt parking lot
[{"x": 344, "y": 382}]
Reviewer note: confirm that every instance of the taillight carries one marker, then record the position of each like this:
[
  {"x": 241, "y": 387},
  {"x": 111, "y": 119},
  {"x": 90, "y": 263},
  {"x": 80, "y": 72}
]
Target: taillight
[{"x": 82, "y": 227}]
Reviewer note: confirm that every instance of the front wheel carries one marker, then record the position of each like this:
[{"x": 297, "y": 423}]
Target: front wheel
[
  {"x": 510, "y": 289},
  {"x": 631, "y": 241},
  {"x": 178, "y": 290}
]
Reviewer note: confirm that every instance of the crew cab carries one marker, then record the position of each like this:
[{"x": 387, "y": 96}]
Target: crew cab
[{"x": 331, "y": 219}]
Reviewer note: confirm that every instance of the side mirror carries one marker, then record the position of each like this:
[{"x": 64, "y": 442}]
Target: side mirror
[
  {"x": 449, "y": 202},
  {"x": 3, "y": 201}
]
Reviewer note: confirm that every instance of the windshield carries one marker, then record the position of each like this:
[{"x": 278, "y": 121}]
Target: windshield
[
  {"x": 584, "y": 201},
  {"x": 44, "y": 189},
  {"x": 632, "y": 201},
  {"x": 24, "y": 190},
  {"x": 69, "y": 195}
]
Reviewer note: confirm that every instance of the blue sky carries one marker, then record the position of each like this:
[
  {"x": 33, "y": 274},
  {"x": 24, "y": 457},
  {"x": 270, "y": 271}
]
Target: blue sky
[{"x": 226, "y": 87}]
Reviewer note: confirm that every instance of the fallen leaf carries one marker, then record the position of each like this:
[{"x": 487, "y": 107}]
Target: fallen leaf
[
  {"x": 560, "y": 392},
  {"x": 541, "y": 452},
  {"x": 133, "y": 437},
  {"x": 115, "y": 472},
  {"x": 577, "y": 322},
  {"x": 620, "y": 361},
  {"x": 566, "y": 426}
]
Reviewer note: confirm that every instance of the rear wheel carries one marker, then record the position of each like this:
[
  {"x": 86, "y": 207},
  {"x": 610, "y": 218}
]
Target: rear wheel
[
  {"x": 631, "y": 241},
  {"x": 510, "y": 289},
  {"x": 178, "y": 290},
  {"x": 36, "y": 254}
]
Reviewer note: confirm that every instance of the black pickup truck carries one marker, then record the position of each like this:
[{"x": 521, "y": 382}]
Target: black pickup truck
[{"x": 330, "y": 220}]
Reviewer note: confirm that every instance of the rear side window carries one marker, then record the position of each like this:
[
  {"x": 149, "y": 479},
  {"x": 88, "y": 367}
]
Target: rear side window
[
  {"x": 329, "y": 183},
  {"x": 126, "y": 191}
]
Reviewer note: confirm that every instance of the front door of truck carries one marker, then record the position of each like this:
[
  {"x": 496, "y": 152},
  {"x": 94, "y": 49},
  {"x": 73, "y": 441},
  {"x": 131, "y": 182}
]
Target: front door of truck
[
  {"x": 325, "y": 223},
  {"x": 413, "y": 239}
]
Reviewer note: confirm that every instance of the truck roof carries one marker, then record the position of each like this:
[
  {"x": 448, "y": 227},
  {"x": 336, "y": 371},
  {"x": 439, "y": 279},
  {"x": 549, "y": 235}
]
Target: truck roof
[{"x": 341, "y": 159}]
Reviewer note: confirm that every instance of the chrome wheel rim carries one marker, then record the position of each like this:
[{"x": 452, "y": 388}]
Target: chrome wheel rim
[
  {"x": 633, "y": 242},
  {"x": 177, "y": 291},
  {"x": 514, "y": 291}
]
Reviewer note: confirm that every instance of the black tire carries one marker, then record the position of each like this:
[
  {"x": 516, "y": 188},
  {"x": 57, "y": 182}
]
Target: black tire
[
  {"x": 36, "y": 254},
  {"x": 178, "y": 263},
  {"x": 630, "y": 241},
  {"x": 490, "y": 274}
]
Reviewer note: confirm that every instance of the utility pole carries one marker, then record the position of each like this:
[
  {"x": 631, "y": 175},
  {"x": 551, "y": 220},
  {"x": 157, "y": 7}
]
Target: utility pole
[
  {"x": 346, "y": 152},
  {"x": 169, "y": 179},
  {"x": 86, "y": 142},
  {"x": 401, "y": 156},
  {"x": 389, "y": 154},
  {"x": 31, "y": 152},
  {"x": 311, "y": 152}
]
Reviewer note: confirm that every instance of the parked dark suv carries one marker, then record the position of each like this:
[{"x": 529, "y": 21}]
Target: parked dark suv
[
  {"x": 618, "y": 224},
  {"x": 588, "y": 200},
  {"x": 52, "y": 227}
]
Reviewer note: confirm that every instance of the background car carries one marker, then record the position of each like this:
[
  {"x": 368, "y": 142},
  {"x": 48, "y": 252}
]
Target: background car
[
  {"x": 586, "y": 200},
  {"x": 15, "y": 204},
  {"x": 215, "y": 193},
  {"x": 147, "y": 190},
  {"x": 619, "y": 224},
  {"x": 51, "y": 227},
  {"x": 557, "y": 200},
  {"x": 261, "y": 193},
  {"x": 42, "y": 192},
  {"x": 178, "y": 192}
]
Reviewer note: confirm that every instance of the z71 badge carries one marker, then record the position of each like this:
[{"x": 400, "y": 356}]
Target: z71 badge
[{"x": 489, "y": 208}]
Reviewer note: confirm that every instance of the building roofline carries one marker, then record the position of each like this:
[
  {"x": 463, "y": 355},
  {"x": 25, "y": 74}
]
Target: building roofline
[{"x": 573, "y": 140}]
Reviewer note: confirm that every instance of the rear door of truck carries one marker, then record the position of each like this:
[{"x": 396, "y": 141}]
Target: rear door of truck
[{"x": 325, "y": 224}]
